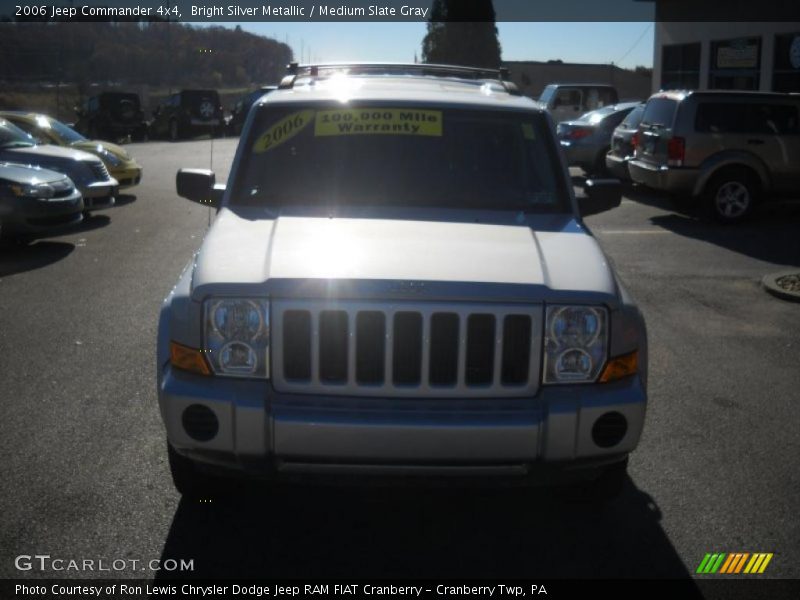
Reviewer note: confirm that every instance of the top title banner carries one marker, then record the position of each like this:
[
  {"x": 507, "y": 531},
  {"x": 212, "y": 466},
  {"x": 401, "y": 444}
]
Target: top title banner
[{"x": 198, "y": 11}]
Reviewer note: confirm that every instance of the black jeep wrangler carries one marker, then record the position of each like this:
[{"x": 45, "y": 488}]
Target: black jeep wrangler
[{"x": 112, "y": 115}]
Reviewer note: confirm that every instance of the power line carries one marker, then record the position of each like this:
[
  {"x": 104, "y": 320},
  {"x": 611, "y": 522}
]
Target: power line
[{"x": 636, "y": 43}]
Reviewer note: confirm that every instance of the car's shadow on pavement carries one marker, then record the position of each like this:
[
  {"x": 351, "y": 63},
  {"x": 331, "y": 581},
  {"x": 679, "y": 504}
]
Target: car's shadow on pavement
[
  {"x": 19, "y": 258},
  {"x": 446, "y": 533},
  {"x": 125, "y": 199},
  {"x": 773, "y": 234},
  {"x": 90, "y": 222}
]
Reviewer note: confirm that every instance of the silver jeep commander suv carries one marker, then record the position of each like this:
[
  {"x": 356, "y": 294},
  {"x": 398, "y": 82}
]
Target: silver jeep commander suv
[{"x": 399, "y": 285}]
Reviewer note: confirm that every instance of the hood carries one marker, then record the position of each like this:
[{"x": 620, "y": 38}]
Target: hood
[
  {"x": 240, "y": 251},
  {"x": 26, "y": 175},
  {"x": 91, "y": 146},
  {"x": 38, "y": 154}
]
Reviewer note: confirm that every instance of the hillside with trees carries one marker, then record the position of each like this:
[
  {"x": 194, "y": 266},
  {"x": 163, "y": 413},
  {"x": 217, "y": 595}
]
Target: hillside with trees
[{"x": 132, "y": 53}]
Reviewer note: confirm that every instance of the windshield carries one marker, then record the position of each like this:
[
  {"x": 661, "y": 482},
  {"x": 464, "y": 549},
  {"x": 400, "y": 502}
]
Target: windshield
[
  {"x": 57, "y": 129},
  {"x": 634, "y": 118},
  {"x": 547, "y": 93},
  {"x": 12, "y": 136},
  {"x": 595, "y": 116},
  {"x": 659, "y": 112},
  {"x": 394, "y": 157},
  {"x": 114, "y": 100}
]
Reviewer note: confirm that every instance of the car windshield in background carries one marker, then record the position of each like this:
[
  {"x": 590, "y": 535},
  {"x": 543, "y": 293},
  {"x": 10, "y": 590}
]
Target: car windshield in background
[
  {"x": 66, "y": 134},
  {"x": 659, "y": 112},
  {"x": 11, "y": 136},
  {"x": 546, "y": 94},
  {"x": 200, "y": 95},
  {"x": 115, "y": 100},
  {"x": 396, "y": 156},
  {"x": 595, "y": 116},
  {"x": 634, "y": 118}
]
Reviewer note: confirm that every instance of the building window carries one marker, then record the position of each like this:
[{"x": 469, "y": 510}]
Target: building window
[
  {"x": 786, "y": 76},
  {"x": 680, "y": 66},
  {"x": 735, "y": 64}
]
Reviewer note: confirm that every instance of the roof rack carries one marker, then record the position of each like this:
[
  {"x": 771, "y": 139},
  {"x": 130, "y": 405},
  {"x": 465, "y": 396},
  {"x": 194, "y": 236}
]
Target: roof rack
[{"x": 500, "y": 75}]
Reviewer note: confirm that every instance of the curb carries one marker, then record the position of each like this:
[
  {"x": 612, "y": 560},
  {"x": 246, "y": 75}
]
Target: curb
[{"x": 769, "y": 282}]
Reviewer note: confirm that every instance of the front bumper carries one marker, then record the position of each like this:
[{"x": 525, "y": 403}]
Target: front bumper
[
  {"x": 618, "y": 166},
  {"x": 31, "y": 216},
  {"x": 262, "y": 432},
  {"x": 580, "y": 154},
  {"x": 127, "y": 175},
  {"x": 674, "y": 180},
  {"x": 100, "y": 194},
  {"x": 205, "y": 122}
]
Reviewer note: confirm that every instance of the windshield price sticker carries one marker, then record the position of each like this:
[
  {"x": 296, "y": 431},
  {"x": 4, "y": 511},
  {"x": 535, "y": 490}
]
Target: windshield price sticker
[
  {"x": 528, "y": 131},
  {"x": 283, "y": 130},
  {"x": 365, "y": 121}
]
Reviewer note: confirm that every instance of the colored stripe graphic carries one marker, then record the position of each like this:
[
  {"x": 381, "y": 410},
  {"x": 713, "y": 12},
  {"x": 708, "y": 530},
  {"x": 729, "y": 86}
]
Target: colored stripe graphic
[
  {"x": 734, "y": 563},
  {"x": 727, "y": 564}
]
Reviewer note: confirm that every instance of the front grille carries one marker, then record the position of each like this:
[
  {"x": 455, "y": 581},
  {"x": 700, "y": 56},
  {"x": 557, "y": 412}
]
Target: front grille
[
  {"x": 63, "y": 192},
  {"x": 99, "y": 170},
  {"x": 406, "y": 349}
]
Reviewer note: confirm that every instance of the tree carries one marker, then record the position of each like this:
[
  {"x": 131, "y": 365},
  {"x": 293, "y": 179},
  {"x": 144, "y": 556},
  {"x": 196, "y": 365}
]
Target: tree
[{"x": 462, "y": 32}]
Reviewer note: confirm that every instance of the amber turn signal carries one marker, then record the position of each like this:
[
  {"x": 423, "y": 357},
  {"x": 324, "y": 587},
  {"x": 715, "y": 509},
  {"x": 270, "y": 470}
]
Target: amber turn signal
[
  {"x": 620, "y": 366},
  {"x": 188, "y": 359}
]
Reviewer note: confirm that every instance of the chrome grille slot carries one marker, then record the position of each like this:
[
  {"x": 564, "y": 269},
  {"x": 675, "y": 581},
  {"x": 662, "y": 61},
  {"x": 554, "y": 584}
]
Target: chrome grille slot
[
  {"x": 516, "y": 349},
  {"x": 297, "y": 345},
  {"x": 407, "y": 348},
  {"x": 480, "y": 349},
  {"x": 443, "y": 369},
  {"x": 333, "y": 346},
  {"x": 99, "y": 170},
  {"x": 370, "y": 346},
  {"x": 411, "y": 349}
]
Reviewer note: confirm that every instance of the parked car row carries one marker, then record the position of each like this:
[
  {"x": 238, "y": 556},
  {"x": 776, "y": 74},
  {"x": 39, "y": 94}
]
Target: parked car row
[
  {"x": 722, "y": 151},
  {"x": 186, "y": 113},
  {"x": 51, "y": 176},
  {"x": 34, "y": 200}
]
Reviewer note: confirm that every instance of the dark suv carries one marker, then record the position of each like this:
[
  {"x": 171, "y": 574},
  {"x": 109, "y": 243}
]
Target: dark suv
[
  {"x": 112, "y": 115},
  {"x": 188, "y": 113},
  {"x": 724, "y": 149}
]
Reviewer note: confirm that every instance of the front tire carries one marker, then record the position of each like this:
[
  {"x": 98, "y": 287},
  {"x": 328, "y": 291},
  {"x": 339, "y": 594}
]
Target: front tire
[{"x": 732, "y": 195}]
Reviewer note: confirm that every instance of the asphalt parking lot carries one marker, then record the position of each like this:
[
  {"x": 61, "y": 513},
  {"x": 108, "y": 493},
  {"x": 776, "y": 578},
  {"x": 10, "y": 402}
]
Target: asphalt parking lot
[{"x": 84, "y": 466}]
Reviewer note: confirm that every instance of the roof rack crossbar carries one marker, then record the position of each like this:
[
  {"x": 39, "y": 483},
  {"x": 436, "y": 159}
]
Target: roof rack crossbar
[{"x": 500, "y": 75}]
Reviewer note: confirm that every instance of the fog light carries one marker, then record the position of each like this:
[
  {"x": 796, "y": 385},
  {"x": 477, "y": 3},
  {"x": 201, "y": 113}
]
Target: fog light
[
  {"x": 609, "y": 430},
  {"x": 200, "y": 422}
]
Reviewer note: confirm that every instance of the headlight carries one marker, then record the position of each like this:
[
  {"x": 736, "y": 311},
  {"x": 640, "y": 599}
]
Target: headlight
[
  {"x": 575, "y": 342},
  {"x": 108, "y": 156},
  {"x": 40, "y": 190},
  {"x": 237, "y": 336}
]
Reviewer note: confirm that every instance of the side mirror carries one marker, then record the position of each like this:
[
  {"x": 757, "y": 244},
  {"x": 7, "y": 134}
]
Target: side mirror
[
  {"x": 199, "y": 185},
  {"x": 599, "y": 195}
]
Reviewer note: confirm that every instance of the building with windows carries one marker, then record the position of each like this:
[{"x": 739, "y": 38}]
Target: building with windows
[{"x": 761, "y": 56}]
